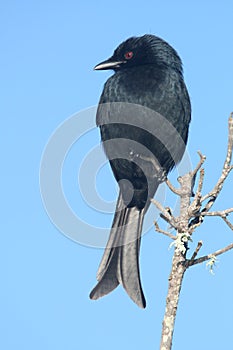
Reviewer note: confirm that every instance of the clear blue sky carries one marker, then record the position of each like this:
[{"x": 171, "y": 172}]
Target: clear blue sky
[{"x": 48, "y": 50}]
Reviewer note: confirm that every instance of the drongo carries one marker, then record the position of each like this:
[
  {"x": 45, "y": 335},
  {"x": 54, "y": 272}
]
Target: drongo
[{"x": 143, "y": 115}]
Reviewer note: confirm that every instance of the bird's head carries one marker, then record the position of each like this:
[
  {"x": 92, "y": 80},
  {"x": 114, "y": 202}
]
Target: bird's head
[{"x": 144, "y": 50}]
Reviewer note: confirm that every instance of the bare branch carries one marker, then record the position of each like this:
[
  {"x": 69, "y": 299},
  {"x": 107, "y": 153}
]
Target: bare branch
[
  {"x": 166, "y": 214},
  {"x": 193, "y": 174},
  {"x": 201, "y": 161},
  {"x": 199, "y": 245},
  {"x": 191, "y": 216},
  {"x": 174, "y": 286},
  {"x": 227, "y": 167},
  {"x": 172, "y": 188},
  {"x": 209, "y": 256},
  {"x": 200, "y": 183},
  {"x": 222, "y": 213},
  {"x": 195, "y": 206},
  {"x": 166, "y": 233},
  {"x": 228, "y": 223}
]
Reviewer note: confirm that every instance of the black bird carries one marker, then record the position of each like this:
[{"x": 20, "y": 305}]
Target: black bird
[{"x": 143, "y": 115}]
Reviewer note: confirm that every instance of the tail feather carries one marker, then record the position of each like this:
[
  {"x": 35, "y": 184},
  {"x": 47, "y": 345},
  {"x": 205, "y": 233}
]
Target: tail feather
[
  {"x": 114, "y": 237},
  {"x": 129, "y": 262},
  {"x": 109, "y": 281},
  {"x": 120, "y": 262}
]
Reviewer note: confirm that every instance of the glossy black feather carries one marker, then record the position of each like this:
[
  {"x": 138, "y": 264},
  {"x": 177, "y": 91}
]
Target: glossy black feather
[{"x": 144, "y": 114}]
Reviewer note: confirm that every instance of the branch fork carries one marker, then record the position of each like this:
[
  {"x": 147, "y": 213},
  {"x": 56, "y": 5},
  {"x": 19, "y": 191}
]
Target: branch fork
[{"x": 194, "y": 207}]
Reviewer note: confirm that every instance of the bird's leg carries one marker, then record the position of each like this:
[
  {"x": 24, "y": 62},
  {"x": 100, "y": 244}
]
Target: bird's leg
[{"x": 159, "y": 173}]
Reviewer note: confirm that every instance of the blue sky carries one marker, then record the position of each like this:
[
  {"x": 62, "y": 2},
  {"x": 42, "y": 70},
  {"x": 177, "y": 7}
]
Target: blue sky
[{"x": 48, "y": 50}]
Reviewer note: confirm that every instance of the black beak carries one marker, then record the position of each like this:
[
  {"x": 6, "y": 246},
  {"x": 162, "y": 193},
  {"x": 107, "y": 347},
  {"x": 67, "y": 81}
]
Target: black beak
[{"x": 109, "y": 64}]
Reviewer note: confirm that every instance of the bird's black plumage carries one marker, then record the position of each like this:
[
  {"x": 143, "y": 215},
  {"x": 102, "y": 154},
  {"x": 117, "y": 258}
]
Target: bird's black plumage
[{"x": 143, "y": 114}]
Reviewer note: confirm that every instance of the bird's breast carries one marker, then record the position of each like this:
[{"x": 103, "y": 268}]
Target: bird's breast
[{"x": 137, "y": 85}]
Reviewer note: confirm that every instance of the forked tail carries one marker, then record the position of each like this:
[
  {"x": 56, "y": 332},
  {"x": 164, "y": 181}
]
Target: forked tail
[{"x": 120, "y": 262}]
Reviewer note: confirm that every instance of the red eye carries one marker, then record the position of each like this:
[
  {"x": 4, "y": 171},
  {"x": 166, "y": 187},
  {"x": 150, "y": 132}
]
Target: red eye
[{"x": 128, "y": 55}]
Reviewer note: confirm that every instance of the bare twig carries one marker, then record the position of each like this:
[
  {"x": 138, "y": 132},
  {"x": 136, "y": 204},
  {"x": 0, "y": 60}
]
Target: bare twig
[
  {"x": 172, "y": 188},
  {"x": 227, "y": 167},
  {"x": 228, "y": 223},
  {"x": 199, "y": 165},
  {"x": 222, "y": 213},
  {"x": 166, "y": 214},
  {"x": 199, "y": 245},
  {"x": 209, "y": 256},
  {"x": 166, "y": 233},
  {"x": 195, "y": 206}
]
